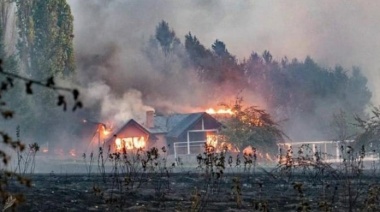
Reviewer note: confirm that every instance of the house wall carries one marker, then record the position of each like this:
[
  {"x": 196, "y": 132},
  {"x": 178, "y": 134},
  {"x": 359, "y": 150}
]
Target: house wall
[
  {"x": 170, "y": 144},
  {"x": 197, "y": 125},
  {"x": 129, "y": 132},
  {"x": 210, "y": 124},
  {"x": 132, "y": 131},
  {"x": 160, "y": 142},
  {"x": 196, "y": 134}
]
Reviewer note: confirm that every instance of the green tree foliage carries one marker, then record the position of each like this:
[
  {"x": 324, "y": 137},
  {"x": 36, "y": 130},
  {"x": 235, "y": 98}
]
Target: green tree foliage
[
  {"x": 370, "y": 135},
  {"x": 202, "y": 58},
  {"x": 343, "y": 126},
  {"x": 251, "y": 126},
  {"x": 7, "y": 81},
  {"x": 166, "y": 37},
  {"x": 10, "y": 65},
  {"x": 165, "y": 49},
  {"x": 7, "y": 24},
  {"x": 45, "y": 51},
  {"x": 10, "y": 62},
  {"x": 215, "y": 65},
  {"x": 293, "y": 90},
  {"x": 307, "y": 91},
  {"x": 46, "y": 37},
  {"x": 225, "y": 67}
]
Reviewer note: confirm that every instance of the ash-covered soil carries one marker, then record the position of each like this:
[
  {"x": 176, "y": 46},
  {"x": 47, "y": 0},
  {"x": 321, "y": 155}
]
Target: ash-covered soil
[{"x": 196, "y": 191}]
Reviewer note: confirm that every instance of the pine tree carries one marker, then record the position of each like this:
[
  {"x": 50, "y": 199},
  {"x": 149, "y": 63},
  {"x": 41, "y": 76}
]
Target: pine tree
[{"x": 166, "y": 37}]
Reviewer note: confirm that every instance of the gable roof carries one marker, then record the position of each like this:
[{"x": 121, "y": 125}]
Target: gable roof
[
  {"x": 163, "y": 124},
  {"x": 132, "y": 121},
  {"x": 174, "y": 125},
  {"x": 139, "y": 126},
  {"x": 184, "y": 124}
]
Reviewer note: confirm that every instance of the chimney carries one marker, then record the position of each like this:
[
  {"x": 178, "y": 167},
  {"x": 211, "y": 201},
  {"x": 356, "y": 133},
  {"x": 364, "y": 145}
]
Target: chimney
[{"x": 149, "y": 123}]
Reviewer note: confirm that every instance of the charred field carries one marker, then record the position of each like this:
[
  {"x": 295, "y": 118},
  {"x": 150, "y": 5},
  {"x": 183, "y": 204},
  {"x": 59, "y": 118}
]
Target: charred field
[{"x": 198, "y": 190}]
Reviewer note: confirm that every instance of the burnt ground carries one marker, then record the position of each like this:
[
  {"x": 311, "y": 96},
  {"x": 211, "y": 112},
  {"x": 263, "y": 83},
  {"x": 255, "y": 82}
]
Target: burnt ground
[{"x": 195, "y": 190}]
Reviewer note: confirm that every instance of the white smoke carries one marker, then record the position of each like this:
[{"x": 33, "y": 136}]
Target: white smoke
[{"x": 117, "y": 109}]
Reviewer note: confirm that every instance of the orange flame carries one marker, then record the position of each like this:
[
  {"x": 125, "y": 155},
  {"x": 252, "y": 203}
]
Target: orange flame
[
  {"x": 212, "y": 140},
  {"x": 72, "y": 152},
  {"x": 268, "y": 157},
  {"x": 118, "y": 144},
  {"x": 219, "y": 111},
  {"x": 130, "y": 143},
  {"x": 105, "y": 131},
  {"x": 248, "y": 151},
  {"x": 139, "y": 143}
]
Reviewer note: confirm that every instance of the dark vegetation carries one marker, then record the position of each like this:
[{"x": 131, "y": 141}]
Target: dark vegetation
[
  {"x": 292, "y": 90},
  {"x": 250, "y": 126},
  {"x": 143, "y": 180}
]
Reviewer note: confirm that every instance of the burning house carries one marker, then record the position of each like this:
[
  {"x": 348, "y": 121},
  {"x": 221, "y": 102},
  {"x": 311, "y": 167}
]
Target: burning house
[
  {"x": 179, "y": 133},
  {"x": 131, "y": 136}
]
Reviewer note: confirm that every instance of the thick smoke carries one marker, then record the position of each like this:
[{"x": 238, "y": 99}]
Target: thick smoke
[
  {"x": 116, "y": 109},
  {"x": 115, "y": 59},
  {"x": 112, "y": 44}
]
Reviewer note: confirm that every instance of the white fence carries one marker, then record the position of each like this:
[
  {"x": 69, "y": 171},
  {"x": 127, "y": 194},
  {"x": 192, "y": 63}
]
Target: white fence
[
  {"x": 330, "y": 151},
  {"x": 193, "y": 147}
]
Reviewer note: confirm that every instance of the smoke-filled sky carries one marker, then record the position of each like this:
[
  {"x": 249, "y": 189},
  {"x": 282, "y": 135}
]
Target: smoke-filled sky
[{"x": 114, "y": 32}]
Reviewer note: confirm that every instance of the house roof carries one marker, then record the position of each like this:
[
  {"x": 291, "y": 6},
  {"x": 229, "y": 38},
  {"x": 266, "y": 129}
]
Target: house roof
[
  {"x": 164, "y": 124},
  {"x": 184, "y": 124},
  {"x": 174, "y": 125},
  {"x": 132, "y": 121}
]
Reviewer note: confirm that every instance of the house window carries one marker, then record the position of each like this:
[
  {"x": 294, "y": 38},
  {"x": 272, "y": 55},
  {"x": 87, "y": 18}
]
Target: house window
[
  {"x": 130, "y": 143},
  {"x": 210, "y": 137},
  {"x": 197, "y": 136}
]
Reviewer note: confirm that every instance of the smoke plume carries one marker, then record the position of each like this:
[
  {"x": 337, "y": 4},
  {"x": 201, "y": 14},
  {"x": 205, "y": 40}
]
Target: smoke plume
[{"x": 112, "y": 42}]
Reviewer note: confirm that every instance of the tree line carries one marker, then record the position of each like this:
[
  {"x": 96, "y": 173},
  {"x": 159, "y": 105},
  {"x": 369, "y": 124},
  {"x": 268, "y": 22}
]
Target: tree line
[
  {"x": 293, "y": 90},
  {"x": 43, "y": 50}
]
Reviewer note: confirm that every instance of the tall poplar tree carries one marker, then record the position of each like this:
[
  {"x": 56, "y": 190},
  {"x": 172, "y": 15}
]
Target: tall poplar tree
[
  {"x": 9, "y": 59},
  {"x": 45, "y": 37},
  {"x": 45, "y": 47}
]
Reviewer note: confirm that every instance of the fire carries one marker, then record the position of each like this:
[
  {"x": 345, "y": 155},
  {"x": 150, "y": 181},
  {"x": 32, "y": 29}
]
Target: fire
[
  {"x": 118, "y": 144},
  {"x": 249, "y": 151},
  {"x": 212, "y": 140},
  {"x": 105, "y": 131},
  {"x": 45, "y": 150},
  {"x": 130, "y": 143},
  {"x": 268, "y": 157},
  {"x": 72, "y": 152},
  {"x": 229, "y": 147},
  {"x": 140, "y": 143},
  {"x": 219, "y": 111},
  {"x": 59, "y": 152}
]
